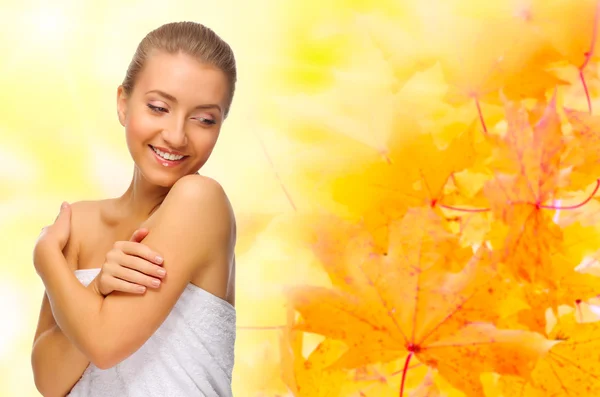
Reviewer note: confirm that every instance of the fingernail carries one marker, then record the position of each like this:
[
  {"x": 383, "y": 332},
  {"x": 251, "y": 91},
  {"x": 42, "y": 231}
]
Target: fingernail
[
  {"x": 159, "y": 259},
  {"x": 64, "y": 205},
  {"x": 155, "y": 283},
  {"x": 161, "y": 272}
]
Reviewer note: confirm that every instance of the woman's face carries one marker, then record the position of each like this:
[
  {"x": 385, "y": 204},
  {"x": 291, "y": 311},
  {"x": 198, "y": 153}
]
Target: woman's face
[{"x": 173, "y": 116}]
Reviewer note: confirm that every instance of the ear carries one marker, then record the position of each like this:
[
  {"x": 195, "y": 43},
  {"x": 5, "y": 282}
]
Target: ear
[{"x": 121, "y": 105}]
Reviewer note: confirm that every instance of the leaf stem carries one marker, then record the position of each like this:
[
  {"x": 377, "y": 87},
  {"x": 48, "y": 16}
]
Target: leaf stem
[
  {"x": 578, "y": 304},
  {"x": 404, "y": 371},
  {"x": 548, "y": 207},
  {"x": 588, "y": 57},
  {"x": 449, "y": 207},
  {"x": 585, "y": 89},
  {"x": 481, "y": 119},
  {"x": 573, "y": 207}
]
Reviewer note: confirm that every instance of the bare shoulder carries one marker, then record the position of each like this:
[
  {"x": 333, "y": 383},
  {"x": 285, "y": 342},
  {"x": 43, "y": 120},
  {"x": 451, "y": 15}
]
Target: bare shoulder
[
  {"x": 201, "y": 209},
  {"x": 81, "y": 210},
  {"x": 199, "y": 187},
  {"x": 84, "y": 215},
  {"x": 194, "y": 230},
  {"x": 203, "y": 196}
]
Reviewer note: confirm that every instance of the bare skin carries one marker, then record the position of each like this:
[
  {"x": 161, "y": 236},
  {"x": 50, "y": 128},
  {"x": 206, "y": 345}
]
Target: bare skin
[
  {"x": 97, "y": 226},
  {"x": 187, "y": 121}
]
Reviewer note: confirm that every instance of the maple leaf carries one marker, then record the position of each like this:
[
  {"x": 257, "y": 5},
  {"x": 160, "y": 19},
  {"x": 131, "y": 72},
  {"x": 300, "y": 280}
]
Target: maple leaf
[
  {"x": 573, "y": 284},
  {"x": 310, "y": 377},
  {"x": 384, "y": 379},
  {"x": 570, "y": 368},
  {"x": 332, "y": 236},
  {"x": 531, "y": 39},
  {"x": 415, "y": 144},
  {"x": 405, "y": 303},
  {"x": 571, "y": 28},
  {"x": 381, "y": 190},
  {"x": 532, "y": 165},
  {"x": 584, "y": 148},
  {"x": 315, "y": 375},
  {"x": 517, "y": 62},
  {"x": 427, "y": 389},
  {"x": 528, "y": 175}
]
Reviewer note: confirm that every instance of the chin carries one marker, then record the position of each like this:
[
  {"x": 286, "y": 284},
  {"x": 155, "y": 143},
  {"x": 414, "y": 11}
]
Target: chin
[
  {"x": 164, "y": 179},
  {"x": 165, "y": 182}
]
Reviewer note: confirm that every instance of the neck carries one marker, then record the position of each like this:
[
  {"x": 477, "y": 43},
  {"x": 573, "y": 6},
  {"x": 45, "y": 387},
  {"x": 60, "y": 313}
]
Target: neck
[{"x": 141, "y": 198}]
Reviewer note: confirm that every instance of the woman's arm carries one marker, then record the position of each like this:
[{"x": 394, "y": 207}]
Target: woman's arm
[
  {"x": 193, "y": 228},
  {"x": 57, "y": 364}
]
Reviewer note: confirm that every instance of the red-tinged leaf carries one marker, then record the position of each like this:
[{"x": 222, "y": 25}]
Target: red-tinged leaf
[
  {"x": 483, "y": 348},
  {"x": 528, "y": 175},
  {"x": 405, "y": 302}
]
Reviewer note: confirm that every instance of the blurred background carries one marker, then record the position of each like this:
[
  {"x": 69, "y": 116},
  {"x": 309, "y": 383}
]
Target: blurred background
[{"x": 322, "y": 86}]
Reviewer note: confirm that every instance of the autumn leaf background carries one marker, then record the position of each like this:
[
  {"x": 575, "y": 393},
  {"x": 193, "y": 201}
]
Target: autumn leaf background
[{"x": 415, "y": 182}]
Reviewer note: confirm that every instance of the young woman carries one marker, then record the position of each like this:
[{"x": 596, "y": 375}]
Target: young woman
[{"x": 111, "y": 331}]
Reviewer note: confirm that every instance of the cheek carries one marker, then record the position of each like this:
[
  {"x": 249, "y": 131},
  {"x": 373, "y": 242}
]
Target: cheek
[
  {"x": 138, "y": 128},
  {"x": 204, "y": 142}
]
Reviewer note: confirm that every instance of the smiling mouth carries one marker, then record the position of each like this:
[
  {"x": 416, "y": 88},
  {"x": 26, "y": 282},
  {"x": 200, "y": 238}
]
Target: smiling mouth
[{"x": 167, "y": 156}]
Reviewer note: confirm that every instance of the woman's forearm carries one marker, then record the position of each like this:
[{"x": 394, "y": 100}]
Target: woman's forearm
[
  {"x": 57, "y": 364},
  {"x": 75, "y": 308}
]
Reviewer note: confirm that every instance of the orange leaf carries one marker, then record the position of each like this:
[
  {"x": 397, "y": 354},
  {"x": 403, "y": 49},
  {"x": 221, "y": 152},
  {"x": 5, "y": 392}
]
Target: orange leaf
[
  {"x": 584, "y": 148},
  {"x": 517, "y": 63},
  {"x": 405, "y": 302},
  {"x": 310, "y": 377},
  {"x": 528, "y": 175},
  {"x": 571, "y": 367},
  {"x": 381, "y": 189}
]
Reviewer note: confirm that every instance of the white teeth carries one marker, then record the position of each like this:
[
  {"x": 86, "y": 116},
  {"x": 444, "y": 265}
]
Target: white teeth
[{"x": 167, "y": 156}]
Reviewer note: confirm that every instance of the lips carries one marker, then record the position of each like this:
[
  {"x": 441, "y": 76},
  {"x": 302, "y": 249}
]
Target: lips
[
  {"x": 171, "y": 160},
  {"x": 166, "y": 150}
]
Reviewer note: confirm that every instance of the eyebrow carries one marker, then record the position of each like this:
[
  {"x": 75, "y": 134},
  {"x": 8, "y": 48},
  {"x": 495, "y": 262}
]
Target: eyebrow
[{"x": 173, "y": 99}]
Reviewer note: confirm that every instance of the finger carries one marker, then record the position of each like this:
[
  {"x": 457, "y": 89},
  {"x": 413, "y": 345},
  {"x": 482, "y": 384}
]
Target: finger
[
  {"x": 116, "y": 284},
  {"x": 142, "y": 266},
  {"x": 136, "y": 277},
  {"x": 139, "y": 235},
  {"x": 142, "y": 251},
  {"x": 64, "y": 213},
  {"x": 61, "y": 228}
]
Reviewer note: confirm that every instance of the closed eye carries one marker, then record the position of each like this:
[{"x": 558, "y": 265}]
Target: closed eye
[
  {"x": 157, "y": 109},
  {"x": 206, "y": 121}
]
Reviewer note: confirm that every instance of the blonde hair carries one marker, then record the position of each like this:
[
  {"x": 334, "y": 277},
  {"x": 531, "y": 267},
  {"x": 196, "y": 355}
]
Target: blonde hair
[{"x": 190, "y": 38}]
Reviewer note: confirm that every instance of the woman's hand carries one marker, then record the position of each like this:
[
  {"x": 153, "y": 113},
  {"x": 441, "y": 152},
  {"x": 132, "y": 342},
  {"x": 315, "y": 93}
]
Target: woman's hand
[
  {"x": 130, "y": 267},
  {"x": 52, "y": 237}
]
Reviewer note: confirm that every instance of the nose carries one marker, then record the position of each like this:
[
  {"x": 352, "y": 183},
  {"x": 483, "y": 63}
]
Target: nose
[{"x": 175, "y": 136}]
